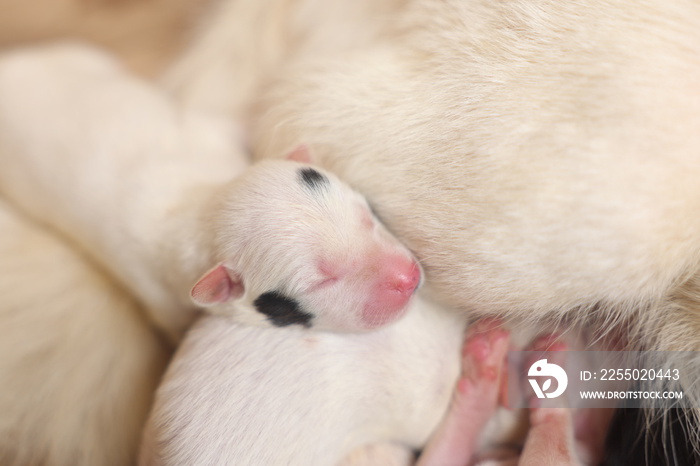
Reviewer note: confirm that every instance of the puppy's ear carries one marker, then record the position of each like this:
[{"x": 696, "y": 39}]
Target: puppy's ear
[
  {"x": 217, "y": 286},
  {"x": 301, "y": 153}
]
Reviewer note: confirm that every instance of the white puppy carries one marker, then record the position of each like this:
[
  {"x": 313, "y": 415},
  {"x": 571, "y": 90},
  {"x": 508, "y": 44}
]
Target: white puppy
[
  {"x": 238, "y": 394},
  {"x": 303, "y": 247}
]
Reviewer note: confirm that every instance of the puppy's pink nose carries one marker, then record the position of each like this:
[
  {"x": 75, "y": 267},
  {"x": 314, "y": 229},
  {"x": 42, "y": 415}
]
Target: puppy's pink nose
[
  {"x": 405, "y": 277},
  {"x": 397, "y": 280}
]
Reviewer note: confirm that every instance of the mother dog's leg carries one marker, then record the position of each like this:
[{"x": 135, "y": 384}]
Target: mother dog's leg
[
  {"x": 108, "y": 160},
  {"x": 78, "y": 362}
]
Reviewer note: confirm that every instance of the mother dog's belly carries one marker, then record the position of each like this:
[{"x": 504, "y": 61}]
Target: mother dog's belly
[{"x": 535, "y": 159}]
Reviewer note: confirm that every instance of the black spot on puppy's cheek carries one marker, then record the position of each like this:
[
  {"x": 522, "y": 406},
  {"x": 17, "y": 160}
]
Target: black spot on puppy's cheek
[
  {"x": 282, "y": 310},
  {"x": 312, "y": 179}
]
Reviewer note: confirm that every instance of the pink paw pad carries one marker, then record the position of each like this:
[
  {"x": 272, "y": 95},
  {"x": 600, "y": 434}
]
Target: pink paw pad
[
  {"x": 475, "y": 398},
  {"x": 483, "y": 354}
]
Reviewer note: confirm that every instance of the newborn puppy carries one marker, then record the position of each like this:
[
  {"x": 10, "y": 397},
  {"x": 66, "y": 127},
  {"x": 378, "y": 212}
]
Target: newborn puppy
[{"x": 300, "y": 249}]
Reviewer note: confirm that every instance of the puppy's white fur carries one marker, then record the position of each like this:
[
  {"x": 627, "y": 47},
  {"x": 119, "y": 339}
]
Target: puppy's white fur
[
  {"x": 239, "y": 394},
  {"x": 78, "y": 366}
]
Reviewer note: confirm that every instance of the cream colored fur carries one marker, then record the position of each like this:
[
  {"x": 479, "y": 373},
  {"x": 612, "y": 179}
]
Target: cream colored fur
[
  {"x": 80, "y": 361},
  {"x": 540, "y": 157},
  {"x": 537, "y": 158}
]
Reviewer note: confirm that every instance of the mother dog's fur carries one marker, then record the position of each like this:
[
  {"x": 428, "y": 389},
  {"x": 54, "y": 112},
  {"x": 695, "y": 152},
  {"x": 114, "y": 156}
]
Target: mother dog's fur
[{"x": 539, "y": 157}]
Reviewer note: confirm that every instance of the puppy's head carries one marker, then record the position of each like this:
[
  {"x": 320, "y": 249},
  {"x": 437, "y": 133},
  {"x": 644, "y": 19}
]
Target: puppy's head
[{"x": 298, "y": 246}]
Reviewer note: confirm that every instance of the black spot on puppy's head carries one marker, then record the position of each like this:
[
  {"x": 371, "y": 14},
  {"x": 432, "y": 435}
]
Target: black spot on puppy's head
[
  {"x": 282, "y": 310},
  {"x": 312, "y": 179}
]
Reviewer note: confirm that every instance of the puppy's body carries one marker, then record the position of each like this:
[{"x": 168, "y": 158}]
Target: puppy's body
[
  {"x": 80, "y": 359},
  {"x": 239, "y": 394}
]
